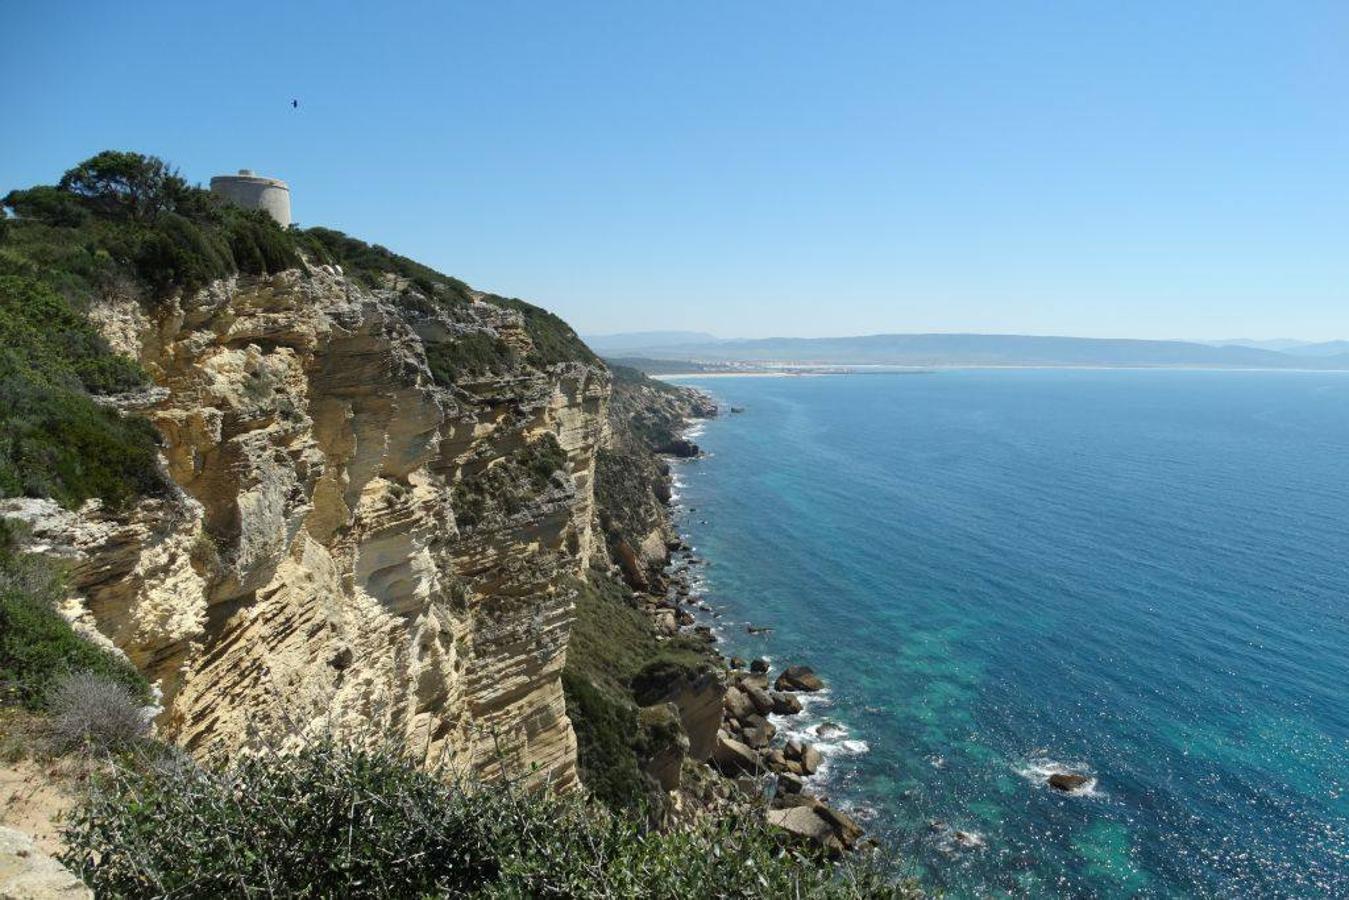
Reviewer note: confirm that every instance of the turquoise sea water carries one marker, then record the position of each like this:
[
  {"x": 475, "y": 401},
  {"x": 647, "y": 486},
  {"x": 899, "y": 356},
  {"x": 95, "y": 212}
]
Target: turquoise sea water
[{"x": 1142, "y": 576}]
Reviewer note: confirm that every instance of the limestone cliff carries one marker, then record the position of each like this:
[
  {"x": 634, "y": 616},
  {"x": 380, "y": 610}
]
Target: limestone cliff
[
  {"x": 355, "y": 539},
  {"x": 646, "y": 417}
]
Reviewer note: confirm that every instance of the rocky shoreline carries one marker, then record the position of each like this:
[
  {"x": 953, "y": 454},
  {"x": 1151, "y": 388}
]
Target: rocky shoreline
[{"x": 727, "y": 713}]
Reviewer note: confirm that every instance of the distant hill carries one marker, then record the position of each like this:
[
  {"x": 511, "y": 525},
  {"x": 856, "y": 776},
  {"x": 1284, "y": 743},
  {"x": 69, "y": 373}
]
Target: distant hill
[
  {"x": 1326, "y": 348},
  {"x": 651, "y": 366},
  {"x": 631, "y": 341},
  {"x": 987, "y": 350},
  {"x": 1290, "y": 346}
]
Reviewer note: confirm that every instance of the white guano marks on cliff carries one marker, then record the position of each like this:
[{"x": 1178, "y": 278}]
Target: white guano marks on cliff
[{"x": 314, "y": 573}]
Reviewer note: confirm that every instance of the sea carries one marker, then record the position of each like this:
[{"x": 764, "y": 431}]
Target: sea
[{"x": 1138, "y": 576}]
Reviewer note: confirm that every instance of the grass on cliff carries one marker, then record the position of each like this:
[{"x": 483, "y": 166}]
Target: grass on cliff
[
  {"x": 330, "y": 821},
  {"x": 611, "y": 645},
  {"x": 37, "y": 645}
]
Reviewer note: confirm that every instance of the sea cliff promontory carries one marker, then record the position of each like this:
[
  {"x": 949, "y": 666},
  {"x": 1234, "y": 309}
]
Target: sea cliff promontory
[{"x": 312, "y": 493}]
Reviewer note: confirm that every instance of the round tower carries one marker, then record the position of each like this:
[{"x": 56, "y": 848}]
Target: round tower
[{"x": 255, "y": 192}]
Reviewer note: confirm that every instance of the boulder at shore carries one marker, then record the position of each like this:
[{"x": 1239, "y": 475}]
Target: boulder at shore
[
  {"x": 733, "y": 758},
  {"x": 798, "y": 678}
]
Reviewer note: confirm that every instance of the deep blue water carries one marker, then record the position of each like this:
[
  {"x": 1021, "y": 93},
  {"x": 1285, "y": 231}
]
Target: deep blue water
[{"x": 1139, "y": 575}]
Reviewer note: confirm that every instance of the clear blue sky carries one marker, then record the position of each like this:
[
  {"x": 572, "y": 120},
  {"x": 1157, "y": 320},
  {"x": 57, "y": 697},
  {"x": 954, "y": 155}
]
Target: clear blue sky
[{"x": 1167, "y": 169}]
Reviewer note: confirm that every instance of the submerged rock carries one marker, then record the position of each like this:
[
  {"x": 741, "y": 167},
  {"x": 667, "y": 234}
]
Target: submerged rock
[{"x": 1068, "y": 781}]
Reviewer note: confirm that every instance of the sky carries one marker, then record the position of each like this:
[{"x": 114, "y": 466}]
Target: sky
[{"x": 1139, "y": 169}]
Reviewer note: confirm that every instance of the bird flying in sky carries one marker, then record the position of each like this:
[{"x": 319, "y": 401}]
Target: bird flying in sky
[{"x": 295, "y": 104}]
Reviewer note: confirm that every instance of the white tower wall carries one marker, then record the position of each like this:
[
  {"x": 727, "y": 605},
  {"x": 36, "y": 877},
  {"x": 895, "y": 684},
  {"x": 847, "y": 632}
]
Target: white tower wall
[{"x": 255, "y": 192}]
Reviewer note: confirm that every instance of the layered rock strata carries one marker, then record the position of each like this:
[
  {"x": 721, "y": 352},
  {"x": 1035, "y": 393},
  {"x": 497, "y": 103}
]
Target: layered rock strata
[{"x": 354, "y": 542}]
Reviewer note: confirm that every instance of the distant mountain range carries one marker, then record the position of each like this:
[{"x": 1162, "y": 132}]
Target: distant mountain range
[
  {"x": 973, "y": 350},
  {"x": 1291, "y": 347},
  {"x": 635, "y": 340}
]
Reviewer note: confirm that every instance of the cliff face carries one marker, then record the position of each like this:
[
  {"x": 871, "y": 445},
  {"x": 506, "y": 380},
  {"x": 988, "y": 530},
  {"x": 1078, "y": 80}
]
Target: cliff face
[
  {"x": 358, "y": 541},
  {"x": 633, "y": 490}
]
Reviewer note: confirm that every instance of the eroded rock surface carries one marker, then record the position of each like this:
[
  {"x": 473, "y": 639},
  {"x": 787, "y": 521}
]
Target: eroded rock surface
[{"x": 356, "y": 543}]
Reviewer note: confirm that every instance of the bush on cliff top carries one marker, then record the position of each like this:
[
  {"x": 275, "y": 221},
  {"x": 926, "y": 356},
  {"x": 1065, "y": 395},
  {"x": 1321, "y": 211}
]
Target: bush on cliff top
[
  {"x": 128, "y": 224},
  {"x": 333, "y": 821}
]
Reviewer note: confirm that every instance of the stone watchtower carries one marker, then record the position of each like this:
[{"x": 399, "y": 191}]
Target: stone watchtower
[{"x": 255, "y": 192}]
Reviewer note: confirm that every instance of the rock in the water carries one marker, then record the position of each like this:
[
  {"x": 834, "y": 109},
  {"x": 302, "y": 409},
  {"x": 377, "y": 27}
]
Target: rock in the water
[
  {"x": 1067, "y": 781},
  {"x": 759, "y": 665},
  {"x": 26, "y": 873},
  {"x": 844, "y": 826},
  {"x": 736, "y": 662},
  {"x": 776, "y": 761},
  {"x": 798, "y": 678},
  {"x": 733, "y": 758},
  {"x": 785, "y": 704},
  {"x": 967, "y": 840},
  {"x": 789, "y": 783},
  {"x": 757, "y": 679}
]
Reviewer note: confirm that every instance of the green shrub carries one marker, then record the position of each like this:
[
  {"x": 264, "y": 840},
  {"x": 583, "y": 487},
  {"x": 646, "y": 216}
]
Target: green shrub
[
  {"x": 606, "y": 738},
  {"x": 37, "y": 645},
  {"x": 371, "y": 264},
  {"x": 330, "y": 821},
  {"x": 55, "y": 341},
  {"x": 474, "y": 353},
  {"x": 554, "y": 340},
  {"x": 490, "y": 496}
]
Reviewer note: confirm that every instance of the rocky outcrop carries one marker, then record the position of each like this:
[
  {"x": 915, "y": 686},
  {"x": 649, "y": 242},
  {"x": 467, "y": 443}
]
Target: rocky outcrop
[
  {"x": 27, "y": 873},
  {"x": 358, "y": 543}
]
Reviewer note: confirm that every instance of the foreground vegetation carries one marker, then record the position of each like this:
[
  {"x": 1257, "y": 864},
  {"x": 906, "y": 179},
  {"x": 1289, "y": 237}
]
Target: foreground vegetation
[
  {"x": 336, "y": 821},
  {"x": 38, "y": 647}
]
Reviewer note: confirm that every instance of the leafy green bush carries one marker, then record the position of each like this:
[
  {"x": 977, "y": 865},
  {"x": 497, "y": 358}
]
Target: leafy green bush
[
  {"x": 331, "y": 821},
  {"x": 37, "y": 645},
  {"x": 58, "y": 443}
]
